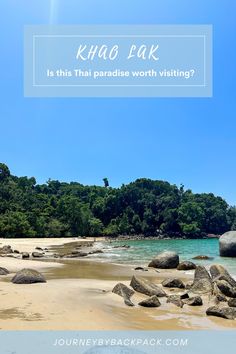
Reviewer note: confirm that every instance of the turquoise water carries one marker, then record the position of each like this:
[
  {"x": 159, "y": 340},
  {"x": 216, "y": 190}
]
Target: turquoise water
[{"x": 141, "y": 252}]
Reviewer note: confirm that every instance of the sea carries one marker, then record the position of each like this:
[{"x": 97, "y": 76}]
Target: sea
[{"x": 141, "y": 252}]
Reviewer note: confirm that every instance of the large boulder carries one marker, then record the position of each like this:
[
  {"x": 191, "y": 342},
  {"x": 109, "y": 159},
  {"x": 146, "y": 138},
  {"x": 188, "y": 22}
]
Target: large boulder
[
  {"x": 28, "y": 276},
  {"x": 226, "y": 288},
  {"x": 227, "y": 244},
  {"x": 173, "y": 283},
  {"x": 144, "y": 286},
  {"x": 232, "y": 302},
  {"x": 25, "y": 255},
  {"x": 152, "y": 301},
  {"x": 3, "y": 271},
  {"x": 218, "y": 272},
  {"x": 186, "y": 265},
  {"x": 6, "y": 249},
  {"x": 125, "y": 292},
  {"x": 165, "y": 260},
  {"x": 201, "y": 273},
  {"x": 224, "y": 312},
  {"x": 37, "y": 255}
]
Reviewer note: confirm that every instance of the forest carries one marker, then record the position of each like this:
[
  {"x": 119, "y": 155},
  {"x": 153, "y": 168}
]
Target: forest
[{"x": 144, "y": 207}]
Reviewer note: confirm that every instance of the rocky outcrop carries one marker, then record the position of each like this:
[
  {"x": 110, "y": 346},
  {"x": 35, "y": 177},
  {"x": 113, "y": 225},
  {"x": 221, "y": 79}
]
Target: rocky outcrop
[
  {"x": 165, "y": 260},
  {"x": 3, "y": 271},
  {"x": 146, "y": 287},
  {"x": 227, "y": 244},
  {"x": 175, "y": 300},
  {"x": 194, "y": 301},
  {"x": 152, "y": 301},
  {"x": 224, "y": 312},
  {"x": 202, "y": 283},
  {"x": 201, "y": 273},
  {"x": 186, "y": 265},
  {"x": 218, "y": 272},
  {"x": 28, "y": 276},
  {"x": 125, "y": 292},
  {"x": 226, "y": 288},
  {"x": 173, "y": 283},
  {"x": 6, "y": 250}
]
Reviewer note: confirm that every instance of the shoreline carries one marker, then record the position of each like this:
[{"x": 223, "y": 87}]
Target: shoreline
[{"x": 78, "y": 296}]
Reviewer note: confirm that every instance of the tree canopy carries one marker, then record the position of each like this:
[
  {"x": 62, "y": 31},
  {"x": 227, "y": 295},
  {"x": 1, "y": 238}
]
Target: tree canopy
[{"x": 144, "y": 207}]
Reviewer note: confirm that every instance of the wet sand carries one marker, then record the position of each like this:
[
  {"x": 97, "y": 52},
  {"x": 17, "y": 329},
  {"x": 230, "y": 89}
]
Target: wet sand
[{"x": 77, "y": 296}]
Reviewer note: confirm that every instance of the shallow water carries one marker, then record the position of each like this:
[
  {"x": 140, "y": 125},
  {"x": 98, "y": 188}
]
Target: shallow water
[{"x": 141, "y": 252}]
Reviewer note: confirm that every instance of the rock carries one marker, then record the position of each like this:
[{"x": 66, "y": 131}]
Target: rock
[
  {"x": 146, "y": 287},
  {"x": 141, "y": 268},
  {"x": 194, "y": 301},
  {"x": 3, "y": 271},
  {"x": 232, "y": 302},
  {"x": 125, "y": 292},
  {"x": 37, "y": 255},
  {"x": 201, "y": 286},
  {"x": 224, "y": 312},
  {"x": 202, "y": 281},
  {"x": 6, "y": 249},
  {"x": 227, "y": 244},
  {"x": 38, "y": 248},
  {"x": 16, "y": 252},
  {"x": 96, "y": 251},
  {"x": 28, "y": 276},
  {"x": 226, "y": 288},
  {"x": 184, "y": 296},
  {"x": 217, "y": 271},
  {"x": 173, "y": 283},
  {"x": 152, "y": 301},
  {"x": 203, "y": 257},
  {"x": 165, "y": 260},
  {"x": 25, "y": 255},
  {"x": 75, "y": 254},
  {"x": 201, "y": 273},
  {"x": 220, "y": 298},
  {"x": 175, "y": 300},
  {"x": 186, "y": 265}
]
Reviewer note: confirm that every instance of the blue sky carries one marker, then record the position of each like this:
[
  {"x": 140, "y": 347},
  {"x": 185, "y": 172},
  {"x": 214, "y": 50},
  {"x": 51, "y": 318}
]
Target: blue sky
[{"x": 189, "y": 141}]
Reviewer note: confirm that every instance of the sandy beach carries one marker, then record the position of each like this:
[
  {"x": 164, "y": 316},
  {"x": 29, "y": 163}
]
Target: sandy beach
[{"x": 78, "y": 295}]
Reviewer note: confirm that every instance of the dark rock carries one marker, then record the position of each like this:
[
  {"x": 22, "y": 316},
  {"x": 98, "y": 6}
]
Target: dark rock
[
  {"x": 38, "y": 248},
  {"x": 175, "y": 300},
  {"x": 28, "y": 276},
  {"x": 227, "y": 244},
  {"x": 125, "y": 292},
  {"x": 226, "y": 288},
  {"x": 203, "y": 257},
  {"x": 16, "y": 251},
  {"x": 217, "y": 271},
  {"x": 37, "y": 255},
  {"x": 232, "y": 302},
  {"x": 25, "y": 255},
  {"x": 141, "y": 268},
  {"x": 165, "y": 260},
  {"x": 3, "y": 271},
  {"x": 152, "y": 301},
  {"x": 186, "y": 265},
  {"x": 224, "y": 312},
  {"x": 173, "y": 283},
  {"x": 146, "y": 287},
  {"x": 194, "y": 301},
  {"x": 184, "y": 296},
  {"x": 76, "y": 254},
  {"x": 221, "y": 298}
]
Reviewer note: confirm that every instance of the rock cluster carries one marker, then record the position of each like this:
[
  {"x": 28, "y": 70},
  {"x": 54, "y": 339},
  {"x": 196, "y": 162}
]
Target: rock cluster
[{"x": 216, "y": 287}]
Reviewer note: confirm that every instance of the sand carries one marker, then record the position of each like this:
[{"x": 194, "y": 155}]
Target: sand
[{"x": 77, "y": 296}]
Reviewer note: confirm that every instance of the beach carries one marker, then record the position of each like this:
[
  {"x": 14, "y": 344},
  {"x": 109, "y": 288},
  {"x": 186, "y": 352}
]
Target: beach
[{"x": 78, "y": 294}]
